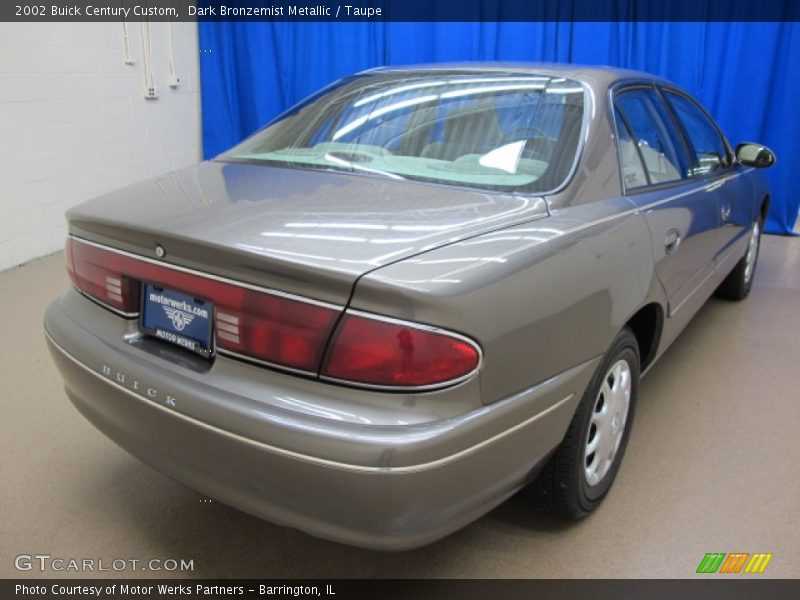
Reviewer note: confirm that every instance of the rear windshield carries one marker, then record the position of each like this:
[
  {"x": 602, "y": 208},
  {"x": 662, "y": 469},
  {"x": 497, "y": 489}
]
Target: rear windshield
[{"x": 490, "y": 131}]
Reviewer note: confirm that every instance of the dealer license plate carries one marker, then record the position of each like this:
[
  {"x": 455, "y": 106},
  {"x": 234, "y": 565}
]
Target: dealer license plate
[{"x": 177, "y": 318}]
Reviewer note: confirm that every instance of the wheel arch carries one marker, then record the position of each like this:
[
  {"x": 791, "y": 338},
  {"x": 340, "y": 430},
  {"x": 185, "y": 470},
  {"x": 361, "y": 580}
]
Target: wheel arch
[
  {"x": 647, "y": 325},
  {"x": 764, "y": 208}
]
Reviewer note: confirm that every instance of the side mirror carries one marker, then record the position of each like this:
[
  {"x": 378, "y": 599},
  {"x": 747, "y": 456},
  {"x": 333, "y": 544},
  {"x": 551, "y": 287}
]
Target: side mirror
[{"x": 755, "y": 155}]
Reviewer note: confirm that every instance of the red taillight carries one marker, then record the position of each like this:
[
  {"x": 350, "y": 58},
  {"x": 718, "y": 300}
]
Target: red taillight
[
  {"x": 100, "y": 274},
  {"x": 273, "y": 328},
  {"x": 283, "y": 330},
  {"x": 376, "y": 352}
]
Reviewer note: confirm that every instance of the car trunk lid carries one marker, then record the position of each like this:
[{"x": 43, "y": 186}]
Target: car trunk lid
[{"x": 305, "y": 232}]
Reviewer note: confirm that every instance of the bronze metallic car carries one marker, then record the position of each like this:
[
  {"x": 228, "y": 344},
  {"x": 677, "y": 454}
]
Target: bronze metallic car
[{"x": 410, "y": 296}]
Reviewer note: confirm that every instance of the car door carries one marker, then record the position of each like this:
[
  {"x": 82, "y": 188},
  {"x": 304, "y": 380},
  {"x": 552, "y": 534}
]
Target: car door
[
  {"x": 682, "y": 210},
  {"x": 713, "y": 161}
]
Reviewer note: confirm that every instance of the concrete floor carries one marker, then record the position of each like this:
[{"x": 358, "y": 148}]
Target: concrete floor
[{"x": 713, "y": 466}]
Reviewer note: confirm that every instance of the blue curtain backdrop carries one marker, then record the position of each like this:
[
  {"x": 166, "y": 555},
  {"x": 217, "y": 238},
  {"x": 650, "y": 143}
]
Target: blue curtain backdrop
[{"x": 746, "y": 74}]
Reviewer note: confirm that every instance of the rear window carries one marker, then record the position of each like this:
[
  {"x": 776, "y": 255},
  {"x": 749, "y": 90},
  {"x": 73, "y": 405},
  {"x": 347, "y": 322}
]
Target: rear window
[{"x": 490, "y": 131}]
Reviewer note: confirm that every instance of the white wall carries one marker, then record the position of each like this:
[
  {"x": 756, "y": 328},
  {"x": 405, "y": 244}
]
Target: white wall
[{"x": 74, "y": 122}]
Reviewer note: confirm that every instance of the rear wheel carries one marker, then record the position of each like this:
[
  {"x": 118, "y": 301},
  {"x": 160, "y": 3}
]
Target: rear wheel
[
  {"x": 580, "y": 473},
  {"x": 738, "y": 283}
]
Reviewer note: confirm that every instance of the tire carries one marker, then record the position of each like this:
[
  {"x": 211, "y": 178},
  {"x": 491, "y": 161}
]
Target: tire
[
  {"x": 574, "y": 483},
  {"x": 737, "y": 284}
]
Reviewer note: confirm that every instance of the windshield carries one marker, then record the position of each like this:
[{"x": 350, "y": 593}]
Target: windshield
[{"x": 486, "y": 130}]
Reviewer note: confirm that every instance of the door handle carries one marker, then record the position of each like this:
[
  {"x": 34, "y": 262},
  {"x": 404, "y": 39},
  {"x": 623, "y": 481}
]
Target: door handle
[
  {"x": 725, "y": 212},
  {"x": 672, "y": 241}
]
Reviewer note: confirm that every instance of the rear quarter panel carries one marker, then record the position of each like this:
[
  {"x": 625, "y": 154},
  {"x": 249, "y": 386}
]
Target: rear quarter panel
[{"x": 540, "y": 298}]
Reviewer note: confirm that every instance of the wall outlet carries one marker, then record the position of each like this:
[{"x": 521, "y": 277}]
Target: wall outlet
[{"x": 150, "y": 92}]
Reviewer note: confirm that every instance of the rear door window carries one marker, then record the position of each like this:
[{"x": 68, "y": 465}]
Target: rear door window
[
  {"x": 658, "y": 142},
  {"x": 633, "y": 173}
]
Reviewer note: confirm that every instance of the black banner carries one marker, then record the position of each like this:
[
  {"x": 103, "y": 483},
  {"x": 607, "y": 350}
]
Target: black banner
[
  {"x": 401, "y": 10},
  {"x": 408, "y": 589}
]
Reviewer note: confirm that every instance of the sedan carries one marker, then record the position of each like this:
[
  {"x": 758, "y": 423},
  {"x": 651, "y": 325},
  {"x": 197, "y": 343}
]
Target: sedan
[{"x": 410, "y": 296}]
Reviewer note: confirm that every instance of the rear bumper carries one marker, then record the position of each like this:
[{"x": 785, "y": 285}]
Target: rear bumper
[{"x": 376, "y": 486}]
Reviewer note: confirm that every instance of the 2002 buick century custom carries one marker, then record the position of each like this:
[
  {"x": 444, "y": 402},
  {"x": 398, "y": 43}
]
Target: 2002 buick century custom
[{"x": 410, "y": 296}]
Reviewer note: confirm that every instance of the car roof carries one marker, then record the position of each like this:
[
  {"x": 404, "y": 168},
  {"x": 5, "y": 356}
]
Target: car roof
[{"x": 598, "y": 75}]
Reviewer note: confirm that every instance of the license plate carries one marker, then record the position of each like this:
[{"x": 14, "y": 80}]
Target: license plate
[{"x": 177, "y": 318}]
